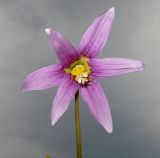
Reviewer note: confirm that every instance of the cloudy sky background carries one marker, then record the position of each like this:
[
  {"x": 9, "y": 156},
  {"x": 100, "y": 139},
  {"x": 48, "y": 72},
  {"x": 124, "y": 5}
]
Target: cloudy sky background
[{"x": 25, "y": 129}]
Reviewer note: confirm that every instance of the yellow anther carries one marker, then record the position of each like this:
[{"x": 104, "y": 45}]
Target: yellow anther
[{"x": 78, "y": 70}]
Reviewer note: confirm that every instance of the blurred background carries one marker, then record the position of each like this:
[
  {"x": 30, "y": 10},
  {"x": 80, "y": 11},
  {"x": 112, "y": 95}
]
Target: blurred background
[{"x": 25, "y": 129}]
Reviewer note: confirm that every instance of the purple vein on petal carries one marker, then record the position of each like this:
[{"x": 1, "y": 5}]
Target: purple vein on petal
[
  {"x": 98, "y": 105},
  {"x": 63, "y": 48},
  {"x": 65, "y": 94},
  {"x": 43, "y": 78},
  {"x": 97, "y": 34},
  {"x": 114, "y": 66}
]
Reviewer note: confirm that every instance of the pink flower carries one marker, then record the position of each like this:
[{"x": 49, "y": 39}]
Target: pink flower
[{"x": 78, "y": 70}]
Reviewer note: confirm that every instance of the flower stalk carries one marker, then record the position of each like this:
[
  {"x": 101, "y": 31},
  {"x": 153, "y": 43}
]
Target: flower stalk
[{"x": 77, "y": 126}]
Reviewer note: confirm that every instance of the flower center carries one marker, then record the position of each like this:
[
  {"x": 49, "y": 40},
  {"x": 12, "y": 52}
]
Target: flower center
[{"x": 80, "y": 70}]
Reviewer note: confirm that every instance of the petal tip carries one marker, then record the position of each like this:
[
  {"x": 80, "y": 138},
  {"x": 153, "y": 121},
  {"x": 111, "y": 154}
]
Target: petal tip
[
  {"x": 109, "y": 128},
  {"x": 140, "y": 65},
  {"x": 23, "y": 87},
  {"x": 48, "y": 30},
  {"x": 53, "y": 122},
  {"x": 53, "y": 119},
  {"x": 112, "y": 9},
  {"x": 112, "y": 12}
]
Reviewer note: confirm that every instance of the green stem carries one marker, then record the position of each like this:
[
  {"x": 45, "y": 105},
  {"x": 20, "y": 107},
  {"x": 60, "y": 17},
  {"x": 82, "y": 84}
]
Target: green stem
[{"x": 77, "y": 124}]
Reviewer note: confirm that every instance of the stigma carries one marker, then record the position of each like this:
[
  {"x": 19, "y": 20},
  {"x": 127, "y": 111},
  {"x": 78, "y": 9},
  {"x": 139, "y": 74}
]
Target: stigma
[{"x": 80, "y": 70}]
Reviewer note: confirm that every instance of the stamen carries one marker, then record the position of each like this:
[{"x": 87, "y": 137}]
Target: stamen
[
  {"x": 80, "y": 70},
  {"x": 80, "y": 80}
]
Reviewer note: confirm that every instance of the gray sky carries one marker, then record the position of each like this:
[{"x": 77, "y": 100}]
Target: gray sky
[{"x": 25, "y": 129}]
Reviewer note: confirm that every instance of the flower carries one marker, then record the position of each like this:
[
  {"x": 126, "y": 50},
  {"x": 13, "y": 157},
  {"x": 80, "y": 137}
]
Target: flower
[{"x": 79, "y": 69}]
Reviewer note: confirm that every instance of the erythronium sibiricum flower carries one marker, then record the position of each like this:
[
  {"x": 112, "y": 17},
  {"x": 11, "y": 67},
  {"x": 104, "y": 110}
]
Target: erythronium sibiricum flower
[{"x": 79, "y": 69}]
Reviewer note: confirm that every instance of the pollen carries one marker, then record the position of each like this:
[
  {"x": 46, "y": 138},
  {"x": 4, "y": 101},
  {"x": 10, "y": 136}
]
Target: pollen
[{"x": 80, "y": 70}]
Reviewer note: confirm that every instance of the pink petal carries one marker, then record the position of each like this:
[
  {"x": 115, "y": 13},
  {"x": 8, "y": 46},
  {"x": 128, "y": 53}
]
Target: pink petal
[
  {"x": 43, "y": 78},
  {"x": 63, "y": 48},
  {"x": 114, "y": 66},
  {"x": 66, "y": 92},
  {"x": 94, "y": 96},
  {"x": 96, "y": 36}
]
